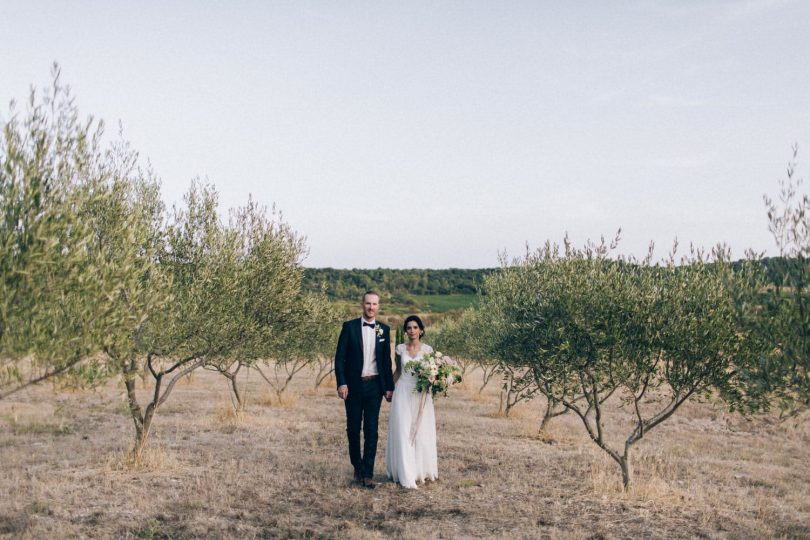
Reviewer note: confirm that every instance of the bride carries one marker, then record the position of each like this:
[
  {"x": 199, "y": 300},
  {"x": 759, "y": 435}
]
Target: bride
[{"x": 410, "y": 459}]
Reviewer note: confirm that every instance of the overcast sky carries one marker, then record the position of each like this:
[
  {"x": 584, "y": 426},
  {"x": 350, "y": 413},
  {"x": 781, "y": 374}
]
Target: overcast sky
[{"x": 438, "y": 134}]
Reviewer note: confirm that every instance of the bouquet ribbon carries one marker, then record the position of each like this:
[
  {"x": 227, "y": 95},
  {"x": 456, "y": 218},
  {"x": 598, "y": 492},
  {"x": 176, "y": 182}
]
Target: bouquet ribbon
[{"x": 418, "y": 419}]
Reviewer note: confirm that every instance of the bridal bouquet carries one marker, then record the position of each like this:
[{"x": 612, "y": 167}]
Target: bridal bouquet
[{"x": 434, "y": 372}]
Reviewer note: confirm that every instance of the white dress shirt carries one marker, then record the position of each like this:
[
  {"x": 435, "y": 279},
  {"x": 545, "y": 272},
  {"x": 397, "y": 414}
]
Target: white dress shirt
[{"x": 369, "y": 345}]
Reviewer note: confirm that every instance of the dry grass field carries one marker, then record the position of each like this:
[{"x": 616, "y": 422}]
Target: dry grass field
[{"x": 282, "y": 471}]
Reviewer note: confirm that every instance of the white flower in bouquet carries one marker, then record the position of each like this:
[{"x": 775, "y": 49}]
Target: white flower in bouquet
[{"x": 434, "y": 372}]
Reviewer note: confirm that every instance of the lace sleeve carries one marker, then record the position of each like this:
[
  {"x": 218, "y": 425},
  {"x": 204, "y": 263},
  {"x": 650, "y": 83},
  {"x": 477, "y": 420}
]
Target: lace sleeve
[
  {"x": 399, "y": 349},
  {"x": 427, "y": 348}
]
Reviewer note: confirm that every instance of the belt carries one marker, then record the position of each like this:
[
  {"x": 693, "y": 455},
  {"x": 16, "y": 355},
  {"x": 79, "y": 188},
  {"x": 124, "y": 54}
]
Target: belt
[{"x": 369, "y": 378}]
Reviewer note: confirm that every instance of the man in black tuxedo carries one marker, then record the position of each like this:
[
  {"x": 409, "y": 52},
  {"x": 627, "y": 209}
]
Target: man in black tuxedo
[{"x": 364, "y": 376}]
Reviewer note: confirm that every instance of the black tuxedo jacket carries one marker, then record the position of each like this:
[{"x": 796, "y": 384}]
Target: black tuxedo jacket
[{"x": 349, "y": 356}]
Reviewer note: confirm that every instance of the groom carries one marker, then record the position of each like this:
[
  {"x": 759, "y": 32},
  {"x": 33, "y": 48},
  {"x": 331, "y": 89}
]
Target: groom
[{"x": 363, "y": 373}]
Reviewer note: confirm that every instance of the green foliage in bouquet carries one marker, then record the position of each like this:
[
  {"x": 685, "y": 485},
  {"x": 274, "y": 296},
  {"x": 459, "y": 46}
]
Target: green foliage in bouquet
[{"x": 435, "y": 373}]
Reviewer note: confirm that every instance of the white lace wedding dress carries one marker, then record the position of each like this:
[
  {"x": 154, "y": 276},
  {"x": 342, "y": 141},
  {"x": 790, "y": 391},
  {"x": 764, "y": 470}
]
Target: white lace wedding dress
[{"x": 408, "y": 463}]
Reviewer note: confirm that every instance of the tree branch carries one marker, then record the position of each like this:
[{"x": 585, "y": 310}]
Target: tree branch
[
  {"x": 178, "y": 376},
  {"x": 48, "y": 375}
]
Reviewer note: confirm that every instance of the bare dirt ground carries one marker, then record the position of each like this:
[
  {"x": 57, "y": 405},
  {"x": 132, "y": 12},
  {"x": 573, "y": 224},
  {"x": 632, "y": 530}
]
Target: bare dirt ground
[{"x": 283, "y": 471}]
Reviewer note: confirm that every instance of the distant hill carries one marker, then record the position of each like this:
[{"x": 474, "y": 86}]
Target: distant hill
[
  {"x": 777, "y": 268},
  {"x": 394, "y": 284}
]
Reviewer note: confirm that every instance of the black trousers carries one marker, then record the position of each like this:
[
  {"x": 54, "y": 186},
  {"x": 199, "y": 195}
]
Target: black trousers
[{"x": 363, "y": 412}]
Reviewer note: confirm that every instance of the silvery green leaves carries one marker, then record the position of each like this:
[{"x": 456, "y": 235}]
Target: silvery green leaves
[
  {"x": 591, "y": 327},
  {"x": 70, "y": 241},
  {"x": 785, "y": 371}
]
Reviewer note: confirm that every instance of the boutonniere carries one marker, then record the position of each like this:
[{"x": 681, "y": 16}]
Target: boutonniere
[{"x": 378, "y": 330}]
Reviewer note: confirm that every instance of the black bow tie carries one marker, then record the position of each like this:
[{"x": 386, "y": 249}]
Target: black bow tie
[{"x": 368, "y": 324}]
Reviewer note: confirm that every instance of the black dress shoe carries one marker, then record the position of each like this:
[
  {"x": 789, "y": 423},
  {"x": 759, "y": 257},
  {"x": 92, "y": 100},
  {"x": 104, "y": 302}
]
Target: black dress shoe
[
  {"x": 369, "y": 483},
  {"x": 358, "y": 477}
]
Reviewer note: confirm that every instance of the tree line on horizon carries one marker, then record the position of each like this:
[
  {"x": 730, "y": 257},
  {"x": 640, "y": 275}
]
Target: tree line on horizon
[
  {"x": 396, "y": 285},
  {"x": 399, "y": 285}
]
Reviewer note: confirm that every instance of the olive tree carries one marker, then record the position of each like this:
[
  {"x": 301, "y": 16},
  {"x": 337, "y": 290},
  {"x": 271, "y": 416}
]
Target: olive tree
[
  {"x": 127, "y": 238},
  {"x": 785, "y": 371},
  {"x": 591, "y": 327},
  {"x": 272, "y": 314},
  {"x": 84, "y": 292},
  {"x": 194, "y": 259},
  {"x": 303, "y": 344},
  {"x": 324, "y": 350},
  {"x": 458, "y": 338},
  {"x": 57, "y": 280},
  {"x": 467, "y": 340}
]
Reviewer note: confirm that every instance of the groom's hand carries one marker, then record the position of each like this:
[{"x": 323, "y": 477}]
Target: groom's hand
[
  {"x": 388, "y": 395},
  {"x": 343, "y": 391}
]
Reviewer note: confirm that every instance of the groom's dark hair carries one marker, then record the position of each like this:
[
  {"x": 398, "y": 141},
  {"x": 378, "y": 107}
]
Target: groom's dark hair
[{"x": 368, "y": 293}]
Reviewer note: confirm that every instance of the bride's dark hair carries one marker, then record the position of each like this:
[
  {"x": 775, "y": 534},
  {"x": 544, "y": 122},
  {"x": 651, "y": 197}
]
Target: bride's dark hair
[{"x": 418, "y": 322}]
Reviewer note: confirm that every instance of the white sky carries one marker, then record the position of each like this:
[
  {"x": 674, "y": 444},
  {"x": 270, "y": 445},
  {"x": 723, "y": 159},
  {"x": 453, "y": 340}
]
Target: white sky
[{"x": 438, "y": 134}]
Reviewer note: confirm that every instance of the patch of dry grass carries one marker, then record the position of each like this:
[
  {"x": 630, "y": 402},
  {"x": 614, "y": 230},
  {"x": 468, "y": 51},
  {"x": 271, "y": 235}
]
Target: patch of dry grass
[
  {"x": 154, "y": 458},
  {"x": 283, "y": 471}
]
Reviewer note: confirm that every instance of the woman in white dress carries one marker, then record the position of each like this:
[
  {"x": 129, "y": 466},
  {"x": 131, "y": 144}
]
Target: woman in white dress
[{"x": 409, "y": 459}]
